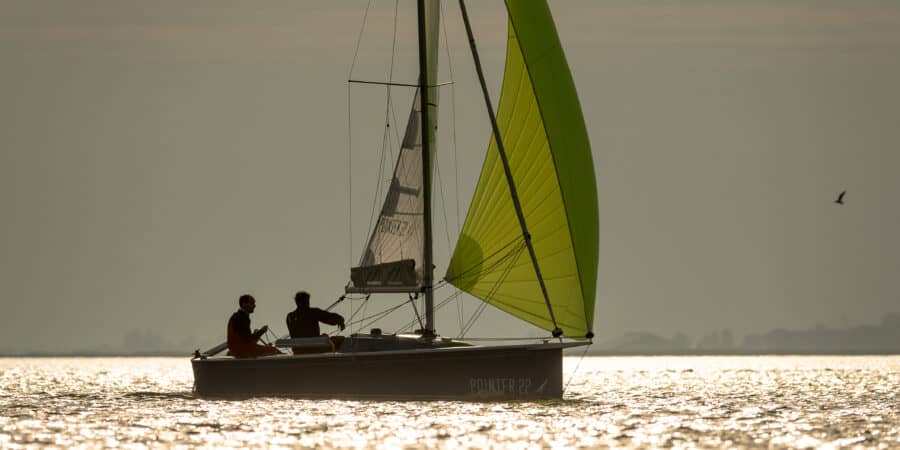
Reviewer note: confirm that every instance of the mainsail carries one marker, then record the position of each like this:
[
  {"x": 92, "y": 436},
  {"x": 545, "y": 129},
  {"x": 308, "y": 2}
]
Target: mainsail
[
  {"x": 393, "y": 257},
  {"x": 546, "y": 142},
  {"x": 396, "y": 253}
]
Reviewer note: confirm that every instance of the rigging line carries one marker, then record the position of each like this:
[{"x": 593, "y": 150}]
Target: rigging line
[
  {"x": 459, "y": 293},
  {"x": 378, "y": 316},
  {"x": 455, "y": 296},
  {"x": 350, "y": 324},
  {"x": 459, "y": 312},
  {"x": 387, "y": 154},
  {"x": 362, "y": 28},
  {"x": 471, "y": 321},
  {"x": 390, "y": 102},
  {"x": 354, "y": 313},
  {"x": 340, "y": 299},
  {"x": 542, "y": 338},
  {"x": 393, "y": 47},
  {"x": 349, "y": 178},
  {"x": 480, "y": 262},
  {"x": 408, "y": 326},
  {"x": 365, "y": 308},
  {"x": 388, "y": 83},
  {"x": 453, "y": 115},
  {"x": 437, "y": 160},
  {"x": 437, "y": 307},
  {"x": 490, "y": 267},
  {"x": 586, "y": 347},
  {"x": 493, "y": 291},
  {"x": 387, "y": 134},
  {"x": 412, "y": 302},
  {"x": 496, "y": 286},
  {"x": 475, "y": 315},
  {"x": 459, "y": 302},
  {"x": 437, "y": 169},
  {"x": 396, "y": 125},
  {"x": 378, "y": 184},
  {"x": 442, "y": 283}
]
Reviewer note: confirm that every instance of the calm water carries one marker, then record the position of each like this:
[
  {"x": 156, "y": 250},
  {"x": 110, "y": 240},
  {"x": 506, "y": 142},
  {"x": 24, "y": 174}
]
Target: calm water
[{"x": 615, "y": 402}]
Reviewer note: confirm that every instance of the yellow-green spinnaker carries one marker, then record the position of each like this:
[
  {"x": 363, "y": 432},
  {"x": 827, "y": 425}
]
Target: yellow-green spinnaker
[{"x": 547, "y": 146}]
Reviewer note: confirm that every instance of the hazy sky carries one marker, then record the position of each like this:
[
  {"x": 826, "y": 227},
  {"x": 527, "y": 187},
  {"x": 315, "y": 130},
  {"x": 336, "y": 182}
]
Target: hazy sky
[{"x": 158, "y": 159}]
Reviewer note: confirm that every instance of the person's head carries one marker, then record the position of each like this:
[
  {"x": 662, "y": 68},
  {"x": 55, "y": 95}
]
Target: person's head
[
  {"x": 302, "y": 299},
  {"x": 247, "y": 303}
]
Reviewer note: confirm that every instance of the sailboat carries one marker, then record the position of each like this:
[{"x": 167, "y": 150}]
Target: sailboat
[{"x": 528, "y": 245}]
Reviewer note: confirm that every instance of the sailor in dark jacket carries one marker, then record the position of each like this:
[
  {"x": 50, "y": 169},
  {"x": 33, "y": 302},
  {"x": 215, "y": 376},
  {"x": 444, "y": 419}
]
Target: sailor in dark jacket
[{"x": 304, "y": 321}]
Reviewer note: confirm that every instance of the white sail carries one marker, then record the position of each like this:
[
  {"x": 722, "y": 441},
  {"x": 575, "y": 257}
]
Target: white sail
[{"x": 393, "y": 258}]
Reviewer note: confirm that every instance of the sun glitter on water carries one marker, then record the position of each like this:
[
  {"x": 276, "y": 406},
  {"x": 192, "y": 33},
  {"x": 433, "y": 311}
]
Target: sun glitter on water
[{"x": 619, "y": 402}]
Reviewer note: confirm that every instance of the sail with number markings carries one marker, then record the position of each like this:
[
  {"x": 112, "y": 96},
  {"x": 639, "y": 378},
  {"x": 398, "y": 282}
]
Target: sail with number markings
[{"x": 393, "y": 258}]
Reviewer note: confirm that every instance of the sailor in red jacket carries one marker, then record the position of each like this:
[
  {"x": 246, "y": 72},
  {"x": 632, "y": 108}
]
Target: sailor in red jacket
[{"x": 241, "y": 342}]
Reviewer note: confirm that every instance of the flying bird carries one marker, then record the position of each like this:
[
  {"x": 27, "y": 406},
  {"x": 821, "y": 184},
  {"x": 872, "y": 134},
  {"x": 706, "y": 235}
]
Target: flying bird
[{"x": 840, "y": 199}]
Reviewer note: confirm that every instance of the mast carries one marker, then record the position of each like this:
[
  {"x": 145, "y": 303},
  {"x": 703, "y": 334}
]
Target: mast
[
  {"x": 428, "y": 18},
  {"x": 526, "y": 235}
]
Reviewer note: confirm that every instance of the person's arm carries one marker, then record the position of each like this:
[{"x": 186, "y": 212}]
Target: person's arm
[{"x": 330, "y": 318}]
